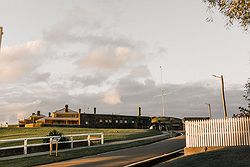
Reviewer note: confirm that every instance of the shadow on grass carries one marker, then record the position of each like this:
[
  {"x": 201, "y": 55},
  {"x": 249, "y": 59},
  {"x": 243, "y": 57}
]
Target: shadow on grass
[
  {"x": 45, "y": 159},
  {"x": 227, "y": 157}
]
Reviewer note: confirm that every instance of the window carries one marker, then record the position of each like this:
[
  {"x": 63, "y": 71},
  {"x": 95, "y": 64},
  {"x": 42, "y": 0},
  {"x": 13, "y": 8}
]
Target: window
[
  {"x": 116, "y": 121},
  {"x": 133, "y": 122},
  {"x": 110, "y": 121},
  {"x": 100, "y": 120},
  {"x": 86, "y": 122},
  {"x": 121, "y": 121},
  {"x": 106, "y": 121},
  {"x": 125, "y": 121}
]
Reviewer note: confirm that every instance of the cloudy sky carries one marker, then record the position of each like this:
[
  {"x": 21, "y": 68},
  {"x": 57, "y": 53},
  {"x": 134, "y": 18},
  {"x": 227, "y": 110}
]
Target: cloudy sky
[{"x": 107, "y": 54}]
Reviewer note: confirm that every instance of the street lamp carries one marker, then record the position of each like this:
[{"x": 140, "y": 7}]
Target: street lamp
[
  {"x": 209, "y": 110},
  {"x": 1, "y": 34},
  {"x": 222, "y": 95}
]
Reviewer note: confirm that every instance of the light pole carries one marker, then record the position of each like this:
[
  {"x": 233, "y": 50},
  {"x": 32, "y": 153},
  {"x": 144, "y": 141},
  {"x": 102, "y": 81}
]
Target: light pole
[
  {"x": 222, "y": 94},
  {"x": 1, "y": 34},
  {"x": 162, "y": 95},
  {"x": 209, "y": 110}
]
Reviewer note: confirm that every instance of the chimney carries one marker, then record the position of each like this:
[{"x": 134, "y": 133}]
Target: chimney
[
  {"x": 66, "y": 108},
  {"x": 33, "y": 113},
  {"x": 38, "y": 113},
  {"x": 80, "y": 111},
  {"x": 139, "y": 111},
  {"x": 49, "y": 114},
  {"x": 94, "y": 110}
]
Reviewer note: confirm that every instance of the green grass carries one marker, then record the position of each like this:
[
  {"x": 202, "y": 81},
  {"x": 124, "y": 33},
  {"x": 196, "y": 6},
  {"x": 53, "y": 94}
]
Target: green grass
[
  {"x": 231, "y": 156},
  {"x": 110, "y": 134},
  {"x": 113, "y": 135}
]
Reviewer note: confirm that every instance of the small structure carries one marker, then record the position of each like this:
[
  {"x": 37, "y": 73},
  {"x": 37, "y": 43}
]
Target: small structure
[
  {"x": 166, "y": 123},
  {"x": 31, "y": 120},
  {"x": 53, "y": 140}
]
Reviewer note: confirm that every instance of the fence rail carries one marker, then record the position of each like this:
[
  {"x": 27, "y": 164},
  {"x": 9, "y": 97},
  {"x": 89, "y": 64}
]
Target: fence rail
[
  {"x": 88, "y": 138},
  {"x": 218, "y": 132}
]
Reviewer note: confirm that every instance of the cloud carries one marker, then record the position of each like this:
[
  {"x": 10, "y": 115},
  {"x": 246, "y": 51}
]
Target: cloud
[
  {"x": 87, "y": 80},
  {"x": 112, "y": 97},
  {"x": 109, "y": 57},
  {"x": 17, "y": 61},
  {"x": 140, "y": 72},
  {"x": 89, "y": 35},
  {"x": 11, "y": 112},
  {"x": 123, "y": 98},
  {"x": 81, "y": 61}
]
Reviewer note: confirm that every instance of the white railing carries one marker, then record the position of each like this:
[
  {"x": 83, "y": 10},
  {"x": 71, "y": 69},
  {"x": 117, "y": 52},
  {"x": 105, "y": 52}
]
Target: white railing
[
  {"x": 88, "y": 138},
  {"x": 218, "y": 132}
]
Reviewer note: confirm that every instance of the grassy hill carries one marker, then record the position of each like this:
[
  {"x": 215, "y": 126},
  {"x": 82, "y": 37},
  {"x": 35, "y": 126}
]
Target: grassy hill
[
  {"x": 231, "y": 156},
  {"x": 109, "y": 134}
]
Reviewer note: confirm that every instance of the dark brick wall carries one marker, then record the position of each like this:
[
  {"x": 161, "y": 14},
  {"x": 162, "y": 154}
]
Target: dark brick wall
[{"x": 114, "y": 121}]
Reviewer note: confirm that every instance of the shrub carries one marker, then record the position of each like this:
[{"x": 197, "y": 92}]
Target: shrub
[{"x": 55, "y": 133}]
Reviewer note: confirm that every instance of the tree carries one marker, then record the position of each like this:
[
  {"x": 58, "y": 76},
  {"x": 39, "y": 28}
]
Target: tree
[
  {"x": 245, "y": 112},
  {"x": 234, "y": 10}
]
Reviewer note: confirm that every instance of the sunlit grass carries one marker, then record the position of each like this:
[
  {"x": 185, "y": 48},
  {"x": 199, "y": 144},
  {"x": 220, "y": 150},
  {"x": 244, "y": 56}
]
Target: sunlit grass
[{"x": 109, "y": 134}]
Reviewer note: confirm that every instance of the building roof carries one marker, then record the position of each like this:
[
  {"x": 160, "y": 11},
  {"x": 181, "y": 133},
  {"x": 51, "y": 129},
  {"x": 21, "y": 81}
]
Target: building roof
[
  {"x": 87, "y": 114},
  {"x": 62, "y": 111},
  {"x": 35, "y": 115},
  {"x": 57, "y": 118}
]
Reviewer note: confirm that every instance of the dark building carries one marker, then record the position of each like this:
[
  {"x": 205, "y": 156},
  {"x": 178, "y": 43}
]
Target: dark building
[
  {"x": 114, "y": 121},
  {"x": 67, "y": 117}
]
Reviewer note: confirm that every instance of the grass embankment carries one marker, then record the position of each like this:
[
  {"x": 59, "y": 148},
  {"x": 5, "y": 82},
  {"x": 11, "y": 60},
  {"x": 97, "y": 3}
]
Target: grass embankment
[
  {"x": 109, "y": 135},
  {"x": 231, "y": 156}
]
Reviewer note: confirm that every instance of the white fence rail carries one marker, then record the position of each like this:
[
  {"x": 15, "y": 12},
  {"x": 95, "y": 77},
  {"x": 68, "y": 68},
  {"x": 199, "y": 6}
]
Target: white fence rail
[
  {"x": 81, "y": 138},
  {"x": 218, "y": 132}
]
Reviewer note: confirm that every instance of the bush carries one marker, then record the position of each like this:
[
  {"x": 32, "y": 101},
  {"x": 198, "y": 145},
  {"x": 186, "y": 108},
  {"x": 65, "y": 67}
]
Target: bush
[{"x": 55, "y": 133}]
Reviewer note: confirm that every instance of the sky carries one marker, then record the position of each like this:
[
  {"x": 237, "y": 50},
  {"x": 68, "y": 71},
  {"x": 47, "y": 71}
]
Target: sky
[{"x": 107, "y": 54}]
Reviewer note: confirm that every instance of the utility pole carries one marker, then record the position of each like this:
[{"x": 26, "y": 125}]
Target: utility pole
[
  {"x": 222, "y": 95},
  {"x": 1, "y": 34},
  {"x": 209, "y": 110},
  {"x": 162, "y": 95}
]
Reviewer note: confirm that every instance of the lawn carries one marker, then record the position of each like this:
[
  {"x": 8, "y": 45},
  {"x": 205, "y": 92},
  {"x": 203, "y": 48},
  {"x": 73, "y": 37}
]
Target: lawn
[
  {"x": 109, "y": 135},
  {"x": 231, "y": 156}
]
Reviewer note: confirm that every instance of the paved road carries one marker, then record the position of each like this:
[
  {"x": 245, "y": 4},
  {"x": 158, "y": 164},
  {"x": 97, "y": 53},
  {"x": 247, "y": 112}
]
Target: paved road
[{"x": 125, "y": 156}]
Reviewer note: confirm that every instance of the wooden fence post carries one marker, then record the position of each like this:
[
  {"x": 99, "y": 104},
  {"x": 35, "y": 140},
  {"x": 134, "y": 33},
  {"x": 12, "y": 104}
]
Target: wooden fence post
[
  {"x": 72, "y": 143},
  {"x": 25, "y": 145},
  {"x": 88, "y": 140},
  {"x": 102, "y": 138}
]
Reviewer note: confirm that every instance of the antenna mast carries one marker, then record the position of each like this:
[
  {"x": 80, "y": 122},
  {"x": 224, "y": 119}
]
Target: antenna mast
[{"x": 162, "y": 95}]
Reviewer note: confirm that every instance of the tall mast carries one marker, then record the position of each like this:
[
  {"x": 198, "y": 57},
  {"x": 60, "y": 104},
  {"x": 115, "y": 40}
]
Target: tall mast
[
  {"x": 1, "y": 34},
  {"x": 162, "y": 95}
]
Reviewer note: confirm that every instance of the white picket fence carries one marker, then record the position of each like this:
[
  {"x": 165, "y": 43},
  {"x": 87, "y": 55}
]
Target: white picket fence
[
  {"x": 83, "y": 138},
  {"x": 218, "y": 132}
]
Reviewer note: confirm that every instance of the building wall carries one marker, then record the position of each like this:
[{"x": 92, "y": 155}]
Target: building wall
[{"x": 114, "y": 121}]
